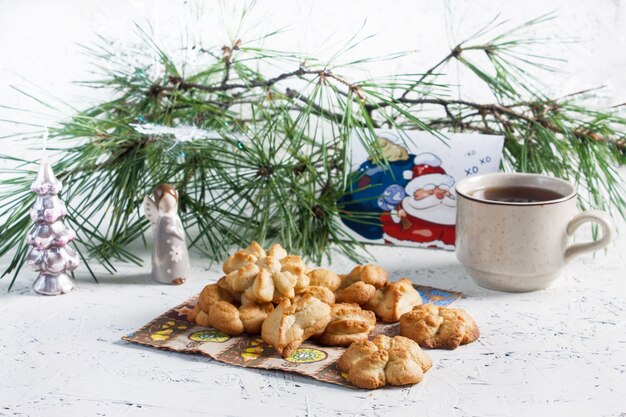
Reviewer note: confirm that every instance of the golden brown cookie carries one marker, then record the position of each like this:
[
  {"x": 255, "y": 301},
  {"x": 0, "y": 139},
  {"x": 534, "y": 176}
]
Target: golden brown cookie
[
  {"x": 276, "y": 250},
  {"x": 384, "y": 360},
  {"x": 284, "y": 284},
  {"x": 324, "y": 278},
  {"x": 253, "y": 315},
  {"x": 348, "y": 323},
  {"x": 370, "y": 274},
  {"x": 262, "y": 289},
  {"x": 436, "y": 327},
  {"x": 358, "y": 350},
  {"x": 258, "y": 276},
  {"x": 357, "y": 293},
  {"x": 321, "y": 293},
  {"x": 240, "y": 279},
  {"x": 191, "y": 316},
  {"x": 225, "y": 317},
  {"x": 210, "y": 295},
  {"x": 225, "y": 287},
  {"x": 291, "y": 324},
  {"x": 360, "y": 284},
  {"x": 202, "y": 318},
  {"x": 296, "y": 266},
  {"x": 243, "y": 257},
  {"x": 215, "y": 308},
  {"x": 401, "y": 369},
  {"x": 393, "y": 300},
  {"x": 404, "y": 343},
  {"x": 369, "y": 372}
]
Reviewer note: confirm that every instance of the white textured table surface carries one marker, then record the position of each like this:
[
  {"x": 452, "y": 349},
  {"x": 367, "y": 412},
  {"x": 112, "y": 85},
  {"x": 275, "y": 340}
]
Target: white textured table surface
[{"x": 561, "y": 351}]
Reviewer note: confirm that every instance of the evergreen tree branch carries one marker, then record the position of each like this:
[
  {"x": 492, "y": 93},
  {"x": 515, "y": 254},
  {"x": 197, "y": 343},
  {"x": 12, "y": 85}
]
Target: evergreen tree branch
[{"x": 274, "y": 160}]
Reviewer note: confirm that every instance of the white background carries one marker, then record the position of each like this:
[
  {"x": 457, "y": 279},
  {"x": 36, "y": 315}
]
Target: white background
[
  {"x": 555, "y": 352},
  {"x": 40, "y": 40}
]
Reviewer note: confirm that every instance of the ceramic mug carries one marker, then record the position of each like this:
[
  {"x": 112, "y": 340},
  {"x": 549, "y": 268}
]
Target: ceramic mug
[{"x": 521, "y": 246}]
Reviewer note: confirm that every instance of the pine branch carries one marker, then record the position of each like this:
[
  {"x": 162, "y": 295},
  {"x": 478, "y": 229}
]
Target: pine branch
[{"x": 276, "y": 161}]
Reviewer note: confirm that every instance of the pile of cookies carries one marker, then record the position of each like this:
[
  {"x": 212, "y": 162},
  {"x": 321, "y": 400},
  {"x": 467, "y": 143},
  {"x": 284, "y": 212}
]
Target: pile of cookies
[{"x": 274, "y": 294}]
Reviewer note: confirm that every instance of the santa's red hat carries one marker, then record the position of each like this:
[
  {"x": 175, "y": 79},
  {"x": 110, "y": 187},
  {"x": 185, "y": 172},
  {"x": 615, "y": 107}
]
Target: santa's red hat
[{"x": 426, "y": 170}]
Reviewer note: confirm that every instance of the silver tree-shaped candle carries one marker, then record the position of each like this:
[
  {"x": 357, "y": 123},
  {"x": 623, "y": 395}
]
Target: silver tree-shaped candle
[{"x": 51, "y": 256}]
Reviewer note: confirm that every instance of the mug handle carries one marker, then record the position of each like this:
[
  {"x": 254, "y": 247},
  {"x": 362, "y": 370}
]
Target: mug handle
[{"x": 596, "y": 216}]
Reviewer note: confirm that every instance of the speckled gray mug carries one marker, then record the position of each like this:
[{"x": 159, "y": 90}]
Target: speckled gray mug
[{"x": 519, "y": 247}]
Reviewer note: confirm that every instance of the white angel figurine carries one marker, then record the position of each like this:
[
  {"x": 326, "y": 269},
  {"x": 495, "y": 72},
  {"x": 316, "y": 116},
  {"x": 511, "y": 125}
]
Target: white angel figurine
[{"x": 170, "y": 259}]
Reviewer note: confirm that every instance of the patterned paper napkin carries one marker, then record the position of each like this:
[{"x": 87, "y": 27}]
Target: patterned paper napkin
[{"x": 172, "y": 331}]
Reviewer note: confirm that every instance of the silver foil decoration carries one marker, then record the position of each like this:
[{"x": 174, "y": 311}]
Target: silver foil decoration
[{"x": 51, "y": 256}]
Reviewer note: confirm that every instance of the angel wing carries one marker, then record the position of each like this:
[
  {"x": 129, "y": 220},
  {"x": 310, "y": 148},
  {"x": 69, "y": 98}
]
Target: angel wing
[{"x": 150, "y": 210}]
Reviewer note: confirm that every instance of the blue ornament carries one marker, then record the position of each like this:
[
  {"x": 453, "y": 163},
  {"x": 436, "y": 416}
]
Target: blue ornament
[{"x": 391, "y": 197}]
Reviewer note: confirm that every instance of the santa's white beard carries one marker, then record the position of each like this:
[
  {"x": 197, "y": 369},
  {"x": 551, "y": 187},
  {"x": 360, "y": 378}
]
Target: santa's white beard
[{"x": 431, "y": 209}]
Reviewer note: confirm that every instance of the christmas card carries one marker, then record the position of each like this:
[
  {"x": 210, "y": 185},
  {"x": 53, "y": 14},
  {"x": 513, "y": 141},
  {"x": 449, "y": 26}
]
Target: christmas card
[{"x": 410, "y": 200}]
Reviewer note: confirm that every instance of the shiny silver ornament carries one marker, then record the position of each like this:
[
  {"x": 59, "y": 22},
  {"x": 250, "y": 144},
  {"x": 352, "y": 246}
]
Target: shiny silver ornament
[{"x": 51, "y": 256}]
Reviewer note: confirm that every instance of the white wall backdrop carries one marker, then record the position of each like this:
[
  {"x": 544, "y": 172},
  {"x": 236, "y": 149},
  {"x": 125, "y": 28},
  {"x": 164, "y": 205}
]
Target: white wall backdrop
[{"x": 40, "y": 51}]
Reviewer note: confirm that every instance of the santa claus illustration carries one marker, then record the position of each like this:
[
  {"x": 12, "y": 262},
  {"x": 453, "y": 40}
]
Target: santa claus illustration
[
  {"x": 423, "y": 213},
  {"x": 363, "y": 199}
]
